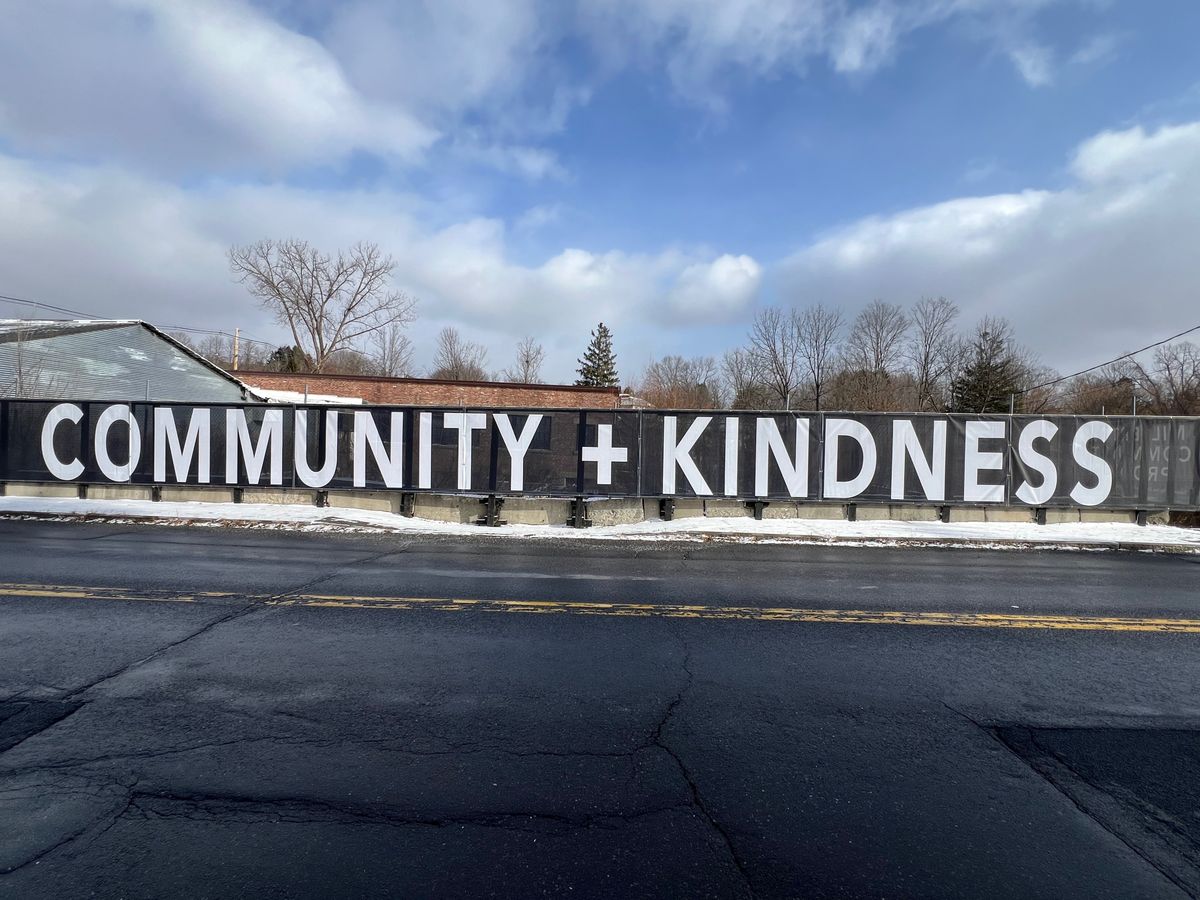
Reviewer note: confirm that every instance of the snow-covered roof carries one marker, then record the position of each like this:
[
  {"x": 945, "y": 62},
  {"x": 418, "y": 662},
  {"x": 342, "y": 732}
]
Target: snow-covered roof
[{"x": 274, "y": 396}]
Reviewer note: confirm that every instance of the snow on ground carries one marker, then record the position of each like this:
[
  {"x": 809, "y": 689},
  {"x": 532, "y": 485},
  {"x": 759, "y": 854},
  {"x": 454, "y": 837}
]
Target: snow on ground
[{"x": 310, "y": 518}]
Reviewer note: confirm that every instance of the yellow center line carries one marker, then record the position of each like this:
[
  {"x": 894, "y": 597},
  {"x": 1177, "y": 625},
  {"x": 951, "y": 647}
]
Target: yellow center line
[{"x": 642, "y": 610}]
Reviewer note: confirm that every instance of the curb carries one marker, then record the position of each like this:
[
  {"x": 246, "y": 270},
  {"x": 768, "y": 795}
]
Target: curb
[
  {"x": 699, "y": 535},
  {"x": 966, "y": 543}
]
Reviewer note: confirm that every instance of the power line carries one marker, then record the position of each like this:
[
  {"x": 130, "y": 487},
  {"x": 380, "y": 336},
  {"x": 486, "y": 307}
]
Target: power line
[
  {"x": 1111, "y": 361},
  {"x": 241, "y": 336},
  {"x": 49, "y": 306}
]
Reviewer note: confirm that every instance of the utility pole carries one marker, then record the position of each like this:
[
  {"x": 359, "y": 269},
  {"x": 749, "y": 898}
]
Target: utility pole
[{"x": 237, "y": 333}]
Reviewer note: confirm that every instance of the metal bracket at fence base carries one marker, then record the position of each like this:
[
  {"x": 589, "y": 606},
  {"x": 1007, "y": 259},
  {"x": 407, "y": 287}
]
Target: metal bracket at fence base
[
  {"x": 851, "y": 510},
  {"x": 1039, "y": 515},
  {"x": 83, "y": 488},
  {"x": 491, "y": 511},
  {"x": 758, "y": 506},
  {"x": 156, "y": 492},
  {"x": 1141, "y": 517},
  {"x": 408, "y": 504},
  {"x": 238, "y": 494},
  {"x": 579, "y": 517},
  {"x": 321, "y": 498},
  {"x": 666, "y": 509},
  {"x": 943, "y": 514}
]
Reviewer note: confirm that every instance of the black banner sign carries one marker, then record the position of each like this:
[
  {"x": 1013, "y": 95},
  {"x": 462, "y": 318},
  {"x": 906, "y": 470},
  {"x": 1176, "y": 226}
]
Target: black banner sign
[{"x": 1051, "y": 461}]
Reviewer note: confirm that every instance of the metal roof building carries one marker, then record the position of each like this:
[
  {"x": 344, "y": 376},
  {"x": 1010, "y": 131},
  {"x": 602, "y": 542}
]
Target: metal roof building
[{"x": 119, "y": 360}]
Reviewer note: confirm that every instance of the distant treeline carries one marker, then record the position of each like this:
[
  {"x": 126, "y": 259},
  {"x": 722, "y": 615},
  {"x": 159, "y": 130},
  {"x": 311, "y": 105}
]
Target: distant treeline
[{"x": 892, "y": 359}]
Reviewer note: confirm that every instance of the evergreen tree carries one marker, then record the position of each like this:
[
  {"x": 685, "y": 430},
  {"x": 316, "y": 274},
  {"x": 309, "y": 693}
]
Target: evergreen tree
[
  {"x": 991, "y": 374},
  {"x": 598, "y": 368},
  {"x": 288, "y": 359}
]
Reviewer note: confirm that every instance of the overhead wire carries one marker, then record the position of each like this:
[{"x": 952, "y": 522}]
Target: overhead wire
[{"x": 1117, "y": 359}]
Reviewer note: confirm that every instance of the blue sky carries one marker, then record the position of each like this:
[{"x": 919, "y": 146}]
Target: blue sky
[{"x": 667, "y": 165}]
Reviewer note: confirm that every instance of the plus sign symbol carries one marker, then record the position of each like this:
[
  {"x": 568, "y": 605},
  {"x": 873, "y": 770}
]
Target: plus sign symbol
[{"x": 604, "y": 454}]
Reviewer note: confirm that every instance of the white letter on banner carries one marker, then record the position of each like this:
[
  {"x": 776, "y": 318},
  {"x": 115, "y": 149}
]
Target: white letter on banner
[
  {"x": 424, "y": 449},
  {"x": 835, "y": 430},
  {"x": 108, "y": 418},
  {"x": 237, "y": 437},
  {"x": 930, "y": 472},
  {"x": 1085, "y": 459},
  {"x": 1040, "y": 463},
  {"x": 732, "y": 424},
  {"x": 464, "y": 424},
  {"x": 679, "y": 453},
  {"x": 517, "y": 447},
  {"x": 974, "y": 460},
  {"x": 604, "y": 454},
  {"x": 768, "y": 442},
  {"x": 64, "y": 471},
  {"x": 316, "y": 477},
  {"x": 166, "y": 437},
  {"x": 389, "y": 459}
]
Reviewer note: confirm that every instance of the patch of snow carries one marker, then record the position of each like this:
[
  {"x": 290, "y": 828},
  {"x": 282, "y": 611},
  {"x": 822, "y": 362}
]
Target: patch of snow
[
  {"x": 991, "y": 535},
  {"x": 300, "y": 397}
]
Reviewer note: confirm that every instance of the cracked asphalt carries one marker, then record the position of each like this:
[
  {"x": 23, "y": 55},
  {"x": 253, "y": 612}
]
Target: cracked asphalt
[{"x": 183, "y": 728}]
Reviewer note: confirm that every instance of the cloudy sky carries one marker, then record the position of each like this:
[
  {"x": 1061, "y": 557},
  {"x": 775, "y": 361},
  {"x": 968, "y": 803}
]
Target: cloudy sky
[{"x": 667, "y": 166}]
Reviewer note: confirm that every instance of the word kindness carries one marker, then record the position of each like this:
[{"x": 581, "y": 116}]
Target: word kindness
[{"x": 932, "y": 459}]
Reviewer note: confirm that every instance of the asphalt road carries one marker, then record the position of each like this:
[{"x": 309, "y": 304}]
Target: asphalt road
[{"x": 221, "y": 713}]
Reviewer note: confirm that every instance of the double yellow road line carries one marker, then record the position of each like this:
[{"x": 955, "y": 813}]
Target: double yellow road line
[{"x": 643, "y": 610}]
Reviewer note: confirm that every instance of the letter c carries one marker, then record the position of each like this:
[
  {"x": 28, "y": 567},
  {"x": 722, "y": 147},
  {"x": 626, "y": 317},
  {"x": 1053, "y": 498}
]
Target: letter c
[{"x": 64, "y": 471}]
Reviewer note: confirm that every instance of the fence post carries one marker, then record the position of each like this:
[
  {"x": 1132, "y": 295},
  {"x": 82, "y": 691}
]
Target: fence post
[{"x": 820, "y": 491}]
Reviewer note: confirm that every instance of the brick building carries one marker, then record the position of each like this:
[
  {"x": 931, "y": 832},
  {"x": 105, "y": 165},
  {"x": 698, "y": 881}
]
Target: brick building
[{"x": 293, "y": 387}]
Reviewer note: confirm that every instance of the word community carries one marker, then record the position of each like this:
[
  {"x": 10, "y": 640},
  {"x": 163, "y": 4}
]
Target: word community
[{"x": 1035, "y": 461}]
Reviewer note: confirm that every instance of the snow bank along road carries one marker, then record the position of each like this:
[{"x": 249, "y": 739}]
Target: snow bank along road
[
  {"x": 999, "y": 535},
  {"x": 213, "y": 712}
]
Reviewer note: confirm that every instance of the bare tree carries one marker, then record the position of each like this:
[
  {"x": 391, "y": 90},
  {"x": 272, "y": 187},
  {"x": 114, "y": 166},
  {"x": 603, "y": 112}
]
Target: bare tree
[
  {"x": 1171, "y": 385},
  {"x": 457, "y": 359},
  {"x": 876, "y": 340},
  {"x": 218, "y": 349},
  {"x": 328, "y": 302},
  {"x": 935, "y": 350},
  {"x": 677, "y": 383},
  {"x": 744, "y": 389},
  {"x": 817, "y": 333},
  {"x": 393, "y": 355},
  {"x": 350, "y": 362},
  {"x": 528, "y": 366},
  {"x": 774, "y": 353}
]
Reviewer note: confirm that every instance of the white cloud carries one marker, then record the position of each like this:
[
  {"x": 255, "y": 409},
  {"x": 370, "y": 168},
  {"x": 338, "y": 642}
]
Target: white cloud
[
  {"x": 538, "y": 217},
  {"x": 205, "y": 86},
  {"x": 440, "y": 57},
  {"x": 717, "y": 290},
  {"x": 1133, "y": 155},
  {"x": 1084, "y": 272},
  {"x": 208, "y": 83},
  {"x": 700, "y": 40},
  {"x": 1034, "y": 63},
  {"x": 865, "y": 40},
  {"x": 108, "y": 242},
  {"x": 531, "y": 163},
  {"x": 1099, "y": 48}
]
